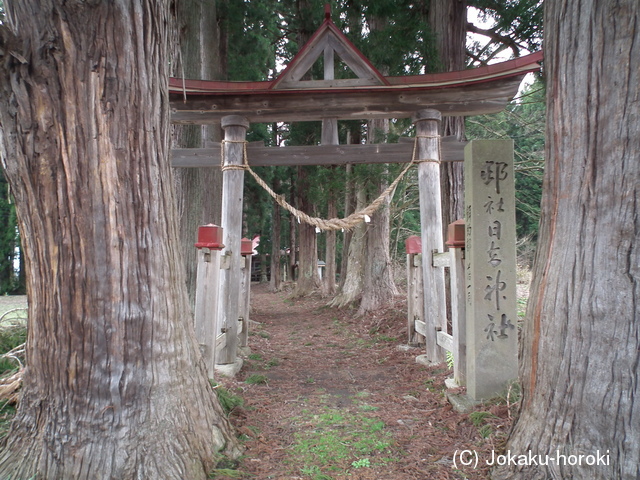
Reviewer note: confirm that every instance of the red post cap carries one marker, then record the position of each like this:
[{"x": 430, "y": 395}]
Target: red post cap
[
  {"x": 455, "y": 234},
  {"x": 413, "y": 245},
  {"x": 209, "y": 236},
  {"x": 246, "y": 247}
]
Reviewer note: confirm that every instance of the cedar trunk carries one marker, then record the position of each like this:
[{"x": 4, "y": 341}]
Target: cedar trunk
[
  {"x": 330, "y": 250},
  {"x": 448, "y": 21},
  {"x": 198, "y": 190},
  {"x": 114, "y": 385},
  {"x": 275, "y": 280},
  {"x": 378, "y": 287},
  {"x": 308, "y": 279},
  {"x": 580, "y": 373},
  {"x": 351, "y": 287}
]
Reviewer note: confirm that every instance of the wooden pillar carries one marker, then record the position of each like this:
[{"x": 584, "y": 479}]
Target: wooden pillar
[
  {"x": 235, "y": 129},
  {"x": 458, "y": 315},
  {"x": 428, "y": 155},
  {"x": 207, "y": 289},
  {"x": 245, "y": 300}
]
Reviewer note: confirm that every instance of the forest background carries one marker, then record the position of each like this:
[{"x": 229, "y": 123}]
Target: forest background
[
  {"x": 579, "y": 353},
  {"x": 254, "y": 41}
]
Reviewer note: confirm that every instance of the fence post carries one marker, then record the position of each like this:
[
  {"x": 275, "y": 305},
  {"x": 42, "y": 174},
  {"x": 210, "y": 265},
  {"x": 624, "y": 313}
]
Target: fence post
[
  {"x": 245, "y": 291},
  {"x": 455, "y": 242},
  {"x": 415, "y": 295},
  {"x": 206, "y": 313}
]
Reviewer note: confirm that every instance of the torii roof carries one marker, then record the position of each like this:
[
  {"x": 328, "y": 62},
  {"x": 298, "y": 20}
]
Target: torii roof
[{"x": 371, "y": 95}]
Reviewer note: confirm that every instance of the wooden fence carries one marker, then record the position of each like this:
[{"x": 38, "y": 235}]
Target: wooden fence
[
  {"x": 211, "y": 334},
  {"x": 417, "y": 330}
]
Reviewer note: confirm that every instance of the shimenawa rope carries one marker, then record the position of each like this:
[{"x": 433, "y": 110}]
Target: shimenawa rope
[{"x": 346, "y": 223}]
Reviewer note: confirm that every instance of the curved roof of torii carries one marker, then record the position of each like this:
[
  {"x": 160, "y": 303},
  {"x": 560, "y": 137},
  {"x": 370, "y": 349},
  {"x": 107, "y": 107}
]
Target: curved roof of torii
[{"x": 288, "y": 98}]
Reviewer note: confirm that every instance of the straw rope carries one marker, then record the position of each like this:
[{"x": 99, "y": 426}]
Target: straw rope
[{"x": 346, "y": 223}]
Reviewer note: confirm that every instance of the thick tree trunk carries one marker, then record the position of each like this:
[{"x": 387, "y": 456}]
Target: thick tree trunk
[
  {"x": 351, "y": 289},
  {"x": 198, "y": 190},
  {"x": 276, "y": 278},
  {"x": 580, "y": 374},
  {"x": 349, "y": 198},
  {"x": 379, "y": 288},
  {"x": 448, "y": 20},
  {"x": 293, "y": 242},
  {"x": 308, "y": 279},
  {"x": 114, "y": 385},
  {"x": 330, "y": 250}
]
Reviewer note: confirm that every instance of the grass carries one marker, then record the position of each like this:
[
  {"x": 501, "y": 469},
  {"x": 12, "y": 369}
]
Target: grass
[
  {"x": 7, "y": 412},
  {"x": 226, "y": 469},
  {"x": 11, "y": 337},
  {"x": 225, "y": 473},
  {"x": 450, "y": 359},
  {"x": 256, "y": 379},
  {"x": 333, "y": 442},
  {"x": 228, "y": 400},
  {"x": 368, "y": 408},
  {"x": 521, "y": 307},
  {"x": 274, "y": 362},
  {"x": 12, "y": 334},
  {"x": 259, "y": 334},
  {"x": 478, "y": 418}
]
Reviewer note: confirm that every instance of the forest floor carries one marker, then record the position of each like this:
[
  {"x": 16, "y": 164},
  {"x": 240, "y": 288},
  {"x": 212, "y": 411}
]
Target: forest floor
[{"x": 331, "y": 396}]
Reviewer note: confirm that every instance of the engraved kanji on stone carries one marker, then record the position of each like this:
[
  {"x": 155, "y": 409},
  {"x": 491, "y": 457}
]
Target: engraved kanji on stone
[
  {"x": 492, "y": 205},
  {"x": 490, "y": 330},
  {"x": 505, "y": 324},
  {"x": 495, "y": 229},
  {"x": 494, "y": 288},
  {"x": 494, "y": 259},
  {"x": 494, "y": 172},
  {"x": 501, "y": 332}
]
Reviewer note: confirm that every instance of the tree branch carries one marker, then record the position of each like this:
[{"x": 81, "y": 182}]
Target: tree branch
[{"x": 496, "y": 37}]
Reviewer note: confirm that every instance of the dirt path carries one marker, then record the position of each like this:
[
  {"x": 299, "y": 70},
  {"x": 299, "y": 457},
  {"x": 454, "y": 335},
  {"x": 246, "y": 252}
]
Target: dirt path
[{"x": 330, "y": 396}]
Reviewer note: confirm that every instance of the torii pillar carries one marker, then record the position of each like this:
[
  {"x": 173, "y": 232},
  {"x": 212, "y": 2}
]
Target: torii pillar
[
  {"x": 427, "y": 155},
  {"x": 235, "y": 130}
]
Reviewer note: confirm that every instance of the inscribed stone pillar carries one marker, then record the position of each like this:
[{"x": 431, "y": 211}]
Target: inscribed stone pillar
[
  {"x": 492, "y": 334},
  {"x": 235, "y": 129},
  {"x": 428, "y": 155}
]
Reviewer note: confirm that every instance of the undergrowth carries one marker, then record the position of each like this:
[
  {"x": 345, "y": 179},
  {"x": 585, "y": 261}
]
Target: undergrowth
[
  {"x": 228, "y": 401},
  {"x": 11, "y": 336},
  {"x": 333, "y": 442}
]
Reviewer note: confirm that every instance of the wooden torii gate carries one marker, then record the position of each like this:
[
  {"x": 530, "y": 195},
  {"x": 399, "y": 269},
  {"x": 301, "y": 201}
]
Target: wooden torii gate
[{"x": 371, "y": 95}]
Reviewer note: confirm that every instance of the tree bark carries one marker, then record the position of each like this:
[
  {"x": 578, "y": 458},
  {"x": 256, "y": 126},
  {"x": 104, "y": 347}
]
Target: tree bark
[
  {"x": 114, "y": 385},
  {"x": 580, "y": 372},
  {"x": 275, "y": 280},
  {"x": 351, "y": 289},
  {"x": 330, "y": 250},
  {"x": 198, "y": 190},
  {"x": 308, "y": 279},
  {"x": 293, "y": 228},
  {"x": 448, "y": 20},
  {"x": 379, "y": 288}
]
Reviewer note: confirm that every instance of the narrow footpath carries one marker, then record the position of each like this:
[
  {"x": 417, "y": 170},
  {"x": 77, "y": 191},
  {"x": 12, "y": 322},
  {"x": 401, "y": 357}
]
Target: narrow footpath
[{"x": 330, "y": 396}]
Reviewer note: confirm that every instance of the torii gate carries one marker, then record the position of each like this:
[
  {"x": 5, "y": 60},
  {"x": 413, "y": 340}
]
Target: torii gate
[{"x": 288, "y": 98}]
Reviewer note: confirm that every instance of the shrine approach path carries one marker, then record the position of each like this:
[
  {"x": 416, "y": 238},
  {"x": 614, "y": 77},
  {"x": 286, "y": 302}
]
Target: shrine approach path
[{"x": 328, "y": 395}]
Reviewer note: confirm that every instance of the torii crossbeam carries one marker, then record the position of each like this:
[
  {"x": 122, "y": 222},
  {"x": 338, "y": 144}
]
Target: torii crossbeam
[{"x": 370, "y": 95}]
